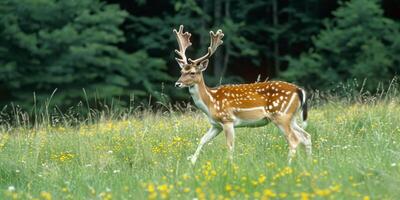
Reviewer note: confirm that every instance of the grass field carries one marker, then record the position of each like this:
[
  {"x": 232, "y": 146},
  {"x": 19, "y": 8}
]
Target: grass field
[{"x": 356, "y": 155}]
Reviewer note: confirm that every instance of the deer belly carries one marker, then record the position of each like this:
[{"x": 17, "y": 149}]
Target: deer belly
[
  {"x": 251, "y": 123},
  {"x": 251, "y": 117}
]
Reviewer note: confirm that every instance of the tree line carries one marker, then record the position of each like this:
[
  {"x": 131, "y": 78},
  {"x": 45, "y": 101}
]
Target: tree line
[{"x": 97, "y": 51}]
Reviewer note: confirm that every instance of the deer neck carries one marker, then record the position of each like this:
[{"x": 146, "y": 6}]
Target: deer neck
[{"x": 201, "y": 96}]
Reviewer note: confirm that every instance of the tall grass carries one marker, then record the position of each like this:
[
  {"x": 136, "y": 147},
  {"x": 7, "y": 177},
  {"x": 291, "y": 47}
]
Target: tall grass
[{"x": 141, "y": 154}]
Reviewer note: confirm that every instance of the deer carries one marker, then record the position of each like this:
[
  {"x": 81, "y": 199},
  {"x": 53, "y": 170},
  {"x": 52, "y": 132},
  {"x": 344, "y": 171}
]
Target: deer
[{"x": 241, "y": 105}]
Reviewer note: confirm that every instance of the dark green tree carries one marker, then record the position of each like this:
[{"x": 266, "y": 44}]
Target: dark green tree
[
  {"x": 71, "y": 46},
  {"x": 359, "y": 43},
  {"x": 199, "y": 17}
]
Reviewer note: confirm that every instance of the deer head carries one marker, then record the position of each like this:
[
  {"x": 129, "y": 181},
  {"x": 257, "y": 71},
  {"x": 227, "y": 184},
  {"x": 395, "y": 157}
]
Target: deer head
[{"x": 191, "y": 70}]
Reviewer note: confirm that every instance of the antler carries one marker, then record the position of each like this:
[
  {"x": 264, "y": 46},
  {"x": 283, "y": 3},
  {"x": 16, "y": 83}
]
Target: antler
[
  {"x": 216, "y": 40},
  {"x": 183, "y": 39}
]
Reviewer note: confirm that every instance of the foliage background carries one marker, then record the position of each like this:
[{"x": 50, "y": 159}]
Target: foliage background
[{"x": 102, "y": 51}]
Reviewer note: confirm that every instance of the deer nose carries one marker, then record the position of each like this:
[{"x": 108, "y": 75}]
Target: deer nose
[{"x": 178, "y": 84}]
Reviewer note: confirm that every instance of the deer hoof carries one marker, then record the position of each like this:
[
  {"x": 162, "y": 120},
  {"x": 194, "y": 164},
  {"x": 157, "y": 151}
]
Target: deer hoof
[{"x": 192, "y": 159}]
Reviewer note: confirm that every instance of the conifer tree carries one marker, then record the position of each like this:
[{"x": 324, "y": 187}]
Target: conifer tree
[
  {"x": 360, "y": 42},
  {"x": 71, "y": 46}
]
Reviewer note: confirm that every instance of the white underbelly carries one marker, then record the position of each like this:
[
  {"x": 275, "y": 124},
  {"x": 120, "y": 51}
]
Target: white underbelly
[
  {"x": 251, "y": 122},
  {"x": 250, "y": 117}
]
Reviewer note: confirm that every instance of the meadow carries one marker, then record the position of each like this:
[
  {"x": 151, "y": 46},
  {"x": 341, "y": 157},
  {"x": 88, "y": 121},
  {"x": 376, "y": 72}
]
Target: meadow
[{"x": 143, "y": 155}]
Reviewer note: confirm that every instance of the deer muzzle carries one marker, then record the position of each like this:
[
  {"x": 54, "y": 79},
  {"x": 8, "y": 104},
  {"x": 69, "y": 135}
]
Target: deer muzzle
[{"x": 179, "y": 84}]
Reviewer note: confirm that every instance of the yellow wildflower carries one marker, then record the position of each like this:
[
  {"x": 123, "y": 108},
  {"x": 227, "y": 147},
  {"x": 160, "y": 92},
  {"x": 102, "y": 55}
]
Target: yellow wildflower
[
  {"x": 45, "y": 195},
  {"x": 262, "y": 179},
  {"x": 267, "y": 194},
  {"x": 228, "y": 188}
]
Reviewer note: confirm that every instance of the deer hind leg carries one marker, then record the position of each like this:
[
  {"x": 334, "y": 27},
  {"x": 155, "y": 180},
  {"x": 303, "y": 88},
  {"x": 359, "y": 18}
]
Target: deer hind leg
[
  {"x": 284, "y": 124},
  {"x": 230, "y": 138},
  {"x": 211, "y": 133},
  {"x": 304, "y": 137}
]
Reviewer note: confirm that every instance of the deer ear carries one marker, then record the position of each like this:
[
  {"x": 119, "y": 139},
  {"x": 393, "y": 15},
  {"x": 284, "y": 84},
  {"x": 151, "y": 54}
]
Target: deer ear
[{"x": 203, "y": 65}]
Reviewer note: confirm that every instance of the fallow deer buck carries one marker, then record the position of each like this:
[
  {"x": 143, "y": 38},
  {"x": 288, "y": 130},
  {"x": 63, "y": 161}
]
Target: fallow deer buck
[{"x": 243, "y": 105}]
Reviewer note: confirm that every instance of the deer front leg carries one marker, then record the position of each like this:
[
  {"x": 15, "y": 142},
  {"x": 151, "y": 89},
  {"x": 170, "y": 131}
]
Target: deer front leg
[
  {"x": 230, "y": 138},
  {"x": 211, "y": 133}
]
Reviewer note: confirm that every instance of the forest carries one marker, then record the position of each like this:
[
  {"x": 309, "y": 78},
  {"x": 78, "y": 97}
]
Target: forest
[{"x": 122, "y": 51}]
